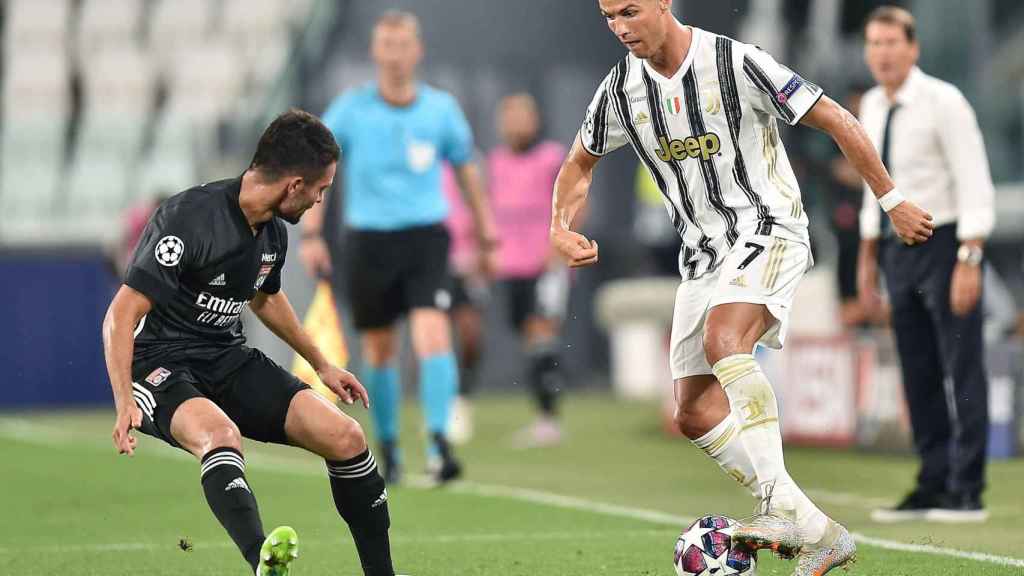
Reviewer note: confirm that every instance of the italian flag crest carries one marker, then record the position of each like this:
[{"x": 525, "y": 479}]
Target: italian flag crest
[{"x": 673, "y": 105}]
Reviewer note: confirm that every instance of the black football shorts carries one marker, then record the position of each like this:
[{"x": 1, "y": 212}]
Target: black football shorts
[
  {"x": 389, "y": 273},
  {"x": 255, "y": 396}
]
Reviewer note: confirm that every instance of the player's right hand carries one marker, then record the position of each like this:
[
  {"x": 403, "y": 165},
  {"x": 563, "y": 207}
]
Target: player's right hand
[
  {"x": 127, "y": 420},
  {"x": 911, "y": 224},
  {"x": 315, "y": 257},
  {"x": 576, "y": 248}
]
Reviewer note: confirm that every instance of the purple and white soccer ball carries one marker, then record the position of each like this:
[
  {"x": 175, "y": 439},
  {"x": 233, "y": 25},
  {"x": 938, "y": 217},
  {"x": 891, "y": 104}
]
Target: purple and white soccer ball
[{"x": 705, "y": 549}]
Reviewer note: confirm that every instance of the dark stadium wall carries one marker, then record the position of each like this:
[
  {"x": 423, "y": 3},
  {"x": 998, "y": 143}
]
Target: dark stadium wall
[{"x": 51, "y": 350}]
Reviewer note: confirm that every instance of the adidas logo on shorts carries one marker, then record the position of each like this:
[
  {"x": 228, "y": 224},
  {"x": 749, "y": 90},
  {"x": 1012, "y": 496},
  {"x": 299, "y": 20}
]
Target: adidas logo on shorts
[{"x": 740, "y": 281}]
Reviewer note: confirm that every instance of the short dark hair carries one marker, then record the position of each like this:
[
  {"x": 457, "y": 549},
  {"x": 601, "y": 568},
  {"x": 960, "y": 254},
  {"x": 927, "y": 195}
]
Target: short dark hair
[
  {"x": 296, "y": 142},
  {"x": 896, "y": 16},
  {"x": 399, "y": 18}
]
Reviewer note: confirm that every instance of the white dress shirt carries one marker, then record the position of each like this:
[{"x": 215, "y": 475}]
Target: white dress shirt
[{"x": 937, "y": 155}]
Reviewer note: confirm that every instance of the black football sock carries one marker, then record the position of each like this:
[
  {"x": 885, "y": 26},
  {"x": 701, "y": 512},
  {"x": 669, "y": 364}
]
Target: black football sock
[
  {"x": 467, "y": 377},
  {"x": 362, "y": 501},
  {"x": 232, "y": 501},
  {"x": 545, "y": 378}
]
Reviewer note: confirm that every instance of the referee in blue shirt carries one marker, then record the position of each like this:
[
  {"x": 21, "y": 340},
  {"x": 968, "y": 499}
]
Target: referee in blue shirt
[{"x": 394, "y": 134}]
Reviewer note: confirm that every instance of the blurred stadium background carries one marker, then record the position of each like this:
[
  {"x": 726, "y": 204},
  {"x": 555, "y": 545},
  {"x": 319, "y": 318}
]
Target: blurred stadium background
[{"x": 108, "y": 105}]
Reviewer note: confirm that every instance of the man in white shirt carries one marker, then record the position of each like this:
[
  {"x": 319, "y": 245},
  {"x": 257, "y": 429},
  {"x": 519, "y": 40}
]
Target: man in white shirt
[
  {"x": 701, "y": 112},
  {"x": 930, "y": 142}
]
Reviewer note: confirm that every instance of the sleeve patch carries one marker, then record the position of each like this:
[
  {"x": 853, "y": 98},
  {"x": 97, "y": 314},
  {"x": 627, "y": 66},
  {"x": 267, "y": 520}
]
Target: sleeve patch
[
  {"x": 787, "y": 92},
  {"x": 169, "y": 250}
]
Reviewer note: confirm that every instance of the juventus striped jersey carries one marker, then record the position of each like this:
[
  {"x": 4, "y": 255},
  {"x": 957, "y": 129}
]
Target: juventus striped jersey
[{"x": 708, "y": 135}]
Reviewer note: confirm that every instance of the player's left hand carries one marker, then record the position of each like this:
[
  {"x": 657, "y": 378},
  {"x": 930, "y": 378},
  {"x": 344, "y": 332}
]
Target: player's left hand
[
  {"x": 344, "y": 384},
  {"x": 964, "y": 288},
  {"x": 911, "y": 224}
]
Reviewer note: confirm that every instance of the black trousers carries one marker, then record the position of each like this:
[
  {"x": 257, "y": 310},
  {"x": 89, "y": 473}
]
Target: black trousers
[{"x": 942, "y": 362}]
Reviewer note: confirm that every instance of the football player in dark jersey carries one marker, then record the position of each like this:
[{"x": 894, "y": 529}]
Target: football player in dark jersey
[{"x": 177, "y": 360}]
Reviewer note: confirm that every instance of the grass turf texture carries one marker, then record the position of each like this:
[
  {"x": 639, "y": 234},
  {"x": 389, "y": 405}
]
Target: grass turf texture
[{"x": 71, "y": 506}]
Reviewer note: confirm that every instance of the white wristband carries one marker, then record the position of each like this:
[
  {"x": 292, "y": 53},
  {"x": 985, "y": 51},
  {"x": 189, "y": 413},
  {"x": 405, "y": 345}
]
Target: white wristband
[{"x": 891, "y": 199}]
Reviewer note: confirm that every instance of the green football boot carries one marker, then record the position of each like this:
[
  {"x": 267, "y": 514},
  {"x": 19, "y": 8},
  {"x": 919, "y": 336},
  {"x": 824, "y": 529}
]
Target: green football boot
[{"x": 279, "y": 550}]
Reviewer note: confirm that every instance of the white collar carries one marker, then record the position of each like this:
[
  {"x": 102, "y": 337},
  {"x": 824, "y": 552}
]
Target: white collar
[{"x": 905, "y": 95}]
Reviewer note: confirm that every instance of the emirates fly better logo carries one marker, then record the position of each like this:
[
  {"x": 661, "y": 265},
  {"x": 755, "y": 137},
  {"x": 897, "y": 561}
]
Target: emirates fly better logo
[{"x": 169, "y": 250}]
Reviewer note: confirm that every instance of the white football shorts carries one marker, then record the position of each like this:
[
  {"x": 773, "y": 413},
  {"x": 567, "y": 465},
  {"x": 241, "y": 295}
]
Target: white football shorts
[{"x": 759, "y": 270}]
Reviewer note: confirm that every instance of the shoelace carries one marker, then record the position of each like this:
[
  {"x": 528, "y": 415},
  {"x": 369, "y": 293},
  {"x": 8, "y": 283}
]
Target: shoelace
[{"x": 763, "y": 506}]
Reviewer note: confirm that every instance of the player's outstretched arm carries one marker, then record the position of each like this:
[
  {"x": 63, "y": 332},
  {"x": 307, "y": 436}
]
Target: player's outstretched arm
[
  {"x": 912, "y": 224},
  {"x": 277, "y": 314},
  {"x": 570, "y": 196},
  {"x": 123, "y": 315}
]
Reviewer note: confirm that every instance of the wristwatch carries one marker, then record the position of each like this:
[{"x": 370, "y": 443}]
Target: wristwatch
[{"x": 970, "y": 255}]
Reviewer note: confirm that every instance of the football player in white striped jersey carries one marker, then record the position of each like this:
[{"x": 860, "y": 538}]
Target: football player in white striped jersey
[{"x": 701, "y": 112}]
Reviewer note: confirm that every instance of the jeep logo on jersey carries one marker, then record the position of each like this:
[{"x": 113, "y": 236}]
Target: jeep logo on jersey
[
  {"x": 212, "y": 303},
  {"x": 269, "y": 258},
  {"x": 704, "y": 145}
]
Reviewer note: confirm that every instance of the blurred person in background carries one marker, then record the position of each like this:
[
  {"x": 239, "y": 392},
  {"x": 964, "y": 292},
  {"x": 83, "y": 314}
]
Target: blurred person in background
[
  {"x": 133, "y": 222},
  {"x": 847, "y": 194},
  {"x": 651, "y": 228},
  {"x": 470, "y": 291},
  {"x": 701, "y": 111},
  {"x": 930, "y": 141},
  {"x": 521, "y": 173},
  {"x": 178, "y": 364},
  {"x": 394, "y": 134}
]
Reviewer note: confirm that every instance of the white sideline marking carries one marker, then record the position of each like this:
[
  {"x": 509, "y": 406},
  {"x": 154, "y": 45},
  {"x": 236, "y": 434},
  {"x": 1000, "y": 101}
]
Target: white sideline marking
[
  {"x": 24, "y": 430},
  {"x": 937, "y": 551}
]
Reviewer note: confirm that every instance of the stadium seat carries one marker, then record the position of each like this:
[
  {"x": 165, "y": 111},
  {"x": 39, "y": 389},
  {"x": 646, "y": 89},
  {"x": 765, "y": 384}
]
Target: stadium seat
[
  {"x": 36, "y": 83},
  {"x": 96, "y": 184},
  {"x": 119, "y": 97},
  {"x": 36, "y": 107},
  {"x": 268, "y": 62},
  {"x": 107, "y": 23},
  {"x": 36, "y": 25},
  {"x": 252, "y": 19},
  {"x": 204, "y": 81},
  {"x": 28, "y": 186},
  {"x": 177, "y": 25},
  {"x": 164, "y": 174},
  {"x": 170, "y": 164}
]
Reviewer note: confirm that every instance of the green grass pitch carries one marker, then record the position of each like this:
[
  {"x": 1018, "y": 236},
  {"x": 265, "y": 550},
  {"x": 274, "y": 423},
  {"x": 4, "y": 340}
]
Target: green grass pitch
[{"x": 607, "y": 502}]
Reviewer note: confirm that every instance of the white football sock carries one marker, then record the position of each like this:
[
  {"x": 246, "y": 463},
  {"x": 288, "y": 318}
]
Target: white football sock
[
  {"x": 724, "y": 446},
  {"x": 757, "y": 412}
]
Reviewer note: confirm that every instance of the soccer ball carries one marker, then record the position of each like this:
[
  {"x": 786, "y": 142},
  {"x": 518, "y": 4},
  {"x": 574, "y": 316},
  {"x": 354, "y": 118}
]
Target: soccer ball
[{"x": 705, "y": 549}]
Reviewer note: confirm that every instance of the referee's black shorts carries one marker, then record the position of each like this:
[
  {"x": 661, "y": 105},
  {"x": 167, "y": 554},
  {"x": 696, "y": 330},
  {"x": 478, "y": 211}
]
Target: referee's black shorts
[{"x": 389, "y": 273}]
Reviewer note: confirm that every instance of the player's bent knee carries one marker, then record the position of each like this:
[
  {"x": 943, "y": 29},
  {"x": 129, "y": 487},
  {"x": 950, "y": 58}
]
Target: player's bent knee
[
  {"x": 689, "y": 420},
  {"x": 225, "y": 436},
  {"x": 350, "y": 440}
]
